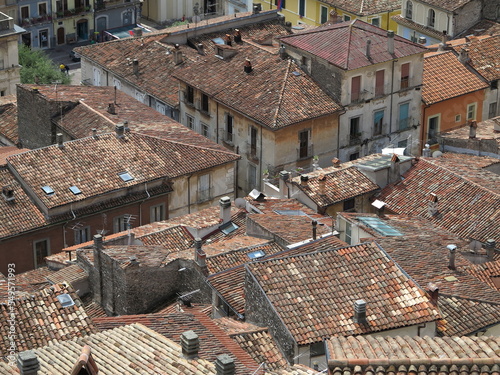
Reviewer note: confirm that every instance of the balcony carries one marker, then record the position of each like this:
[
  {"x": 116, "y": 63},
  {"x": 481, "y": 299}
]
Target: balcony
[
  {"x": 354, "y": 139},
  {"x": 27, "y": 22},
  {"x": 73, "y": 12},
  {"x": 305, "y": 152}
]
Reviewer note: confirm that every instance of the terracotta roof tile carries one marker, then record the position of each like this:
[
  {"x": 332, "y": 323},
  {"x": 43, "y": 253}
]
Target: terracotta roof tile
[
  {"x": 337, "y": 278},
  {"x": 42, "y": 320},
  {"x": 8, "y": 118},
  {"x": 449, "y": 5},
  {"x": 483, "y": 27},
  {"x": 468, "y": 196},
  {"x": 344, "y": 44},
  {"x": 445, "y": 77},
  {"x": 7, "y": 151},
  {"x": 418, "y": 27},
  {"x": 488, "y": 273},
  {"x": 367, "y": 7},
  {"x": 484, "y": 131}
]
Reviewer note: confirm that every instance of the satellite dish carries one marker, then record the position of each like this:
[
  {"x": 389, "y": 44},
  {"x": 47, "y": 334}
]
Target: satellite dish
[
  {"x": 437, "y": 154},
  {"x": 240, "y": 202}
]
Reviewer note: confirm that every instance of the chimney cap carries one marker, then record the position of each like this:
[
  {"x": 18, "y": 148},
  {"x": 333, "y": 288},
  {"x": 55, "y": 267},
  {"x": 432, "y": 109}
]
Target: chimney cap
[{"x": 452, "y": 247}]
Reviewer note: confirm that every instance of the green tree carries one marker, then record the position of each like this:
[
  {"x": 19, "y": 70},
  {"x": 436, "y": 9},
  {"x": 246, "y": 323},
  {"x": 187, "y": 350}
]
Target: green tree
[{"x": 38, "y": 68}]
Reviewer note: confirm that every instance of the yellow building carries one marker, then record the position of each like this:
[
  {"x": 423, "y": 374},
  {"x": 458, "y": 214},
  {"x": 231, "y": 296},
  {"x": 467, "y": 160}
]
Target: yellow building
[
  {"x": 317, "y": 12},
  {"x": 73, "y": 20}
]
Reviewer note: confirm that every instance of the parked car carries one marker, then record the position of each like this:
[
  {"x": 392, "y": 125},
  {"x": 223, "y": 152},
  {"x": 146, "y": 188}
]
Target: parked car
[{"x": 74, "y": 56}]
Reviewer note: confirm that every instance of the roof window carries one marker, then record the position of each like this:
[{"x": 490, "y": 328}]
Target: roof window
[
  {"x": 75, "y": 190},
  {"x": 256, "y": 254},
  {"x": 47, "y": 190},
  {"x": 65, "y": 300},
  {"x": 291, "y": 212},
  {"x": 228, "y": 228},
  {"x": 125, "y": 176},
  {"x": 378, "y": 225}
]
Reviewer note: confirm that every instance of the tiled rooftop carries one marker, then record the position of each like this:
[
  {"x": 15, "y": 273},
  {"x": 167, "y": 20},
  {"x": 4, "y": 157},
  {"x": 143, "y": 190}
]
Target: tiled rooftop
[
  {"x": 468, "y": 196},
  {"x": 42, "y": 320},
  {"x": 483, "y": 27},
  {"x": 277, "y": 93},
  {"x": 417, "y": 26},
  {"x": 340, "y": 184},
  {"x": 8, "y": 118},
  {"x": 100, "y": 161},
  {"x": 488, "y": 273},
  {"x": 463, "y": 316},
  {"x": 344, "y": 44},
  {"x": 365, "y": 8},
  {"x": 213, "y": 341},
  {"x": 425, "y": 259},
  {"x": 445, "y": 78},
  {"x": 449, "y": 5},
  {"x": 7, "y": 151},
  {"x": 417, "y": 348},
  {"x": 484, "y": 131},
  {"x": 304, "y": 289},
  {"x": 484, "y": 56}
]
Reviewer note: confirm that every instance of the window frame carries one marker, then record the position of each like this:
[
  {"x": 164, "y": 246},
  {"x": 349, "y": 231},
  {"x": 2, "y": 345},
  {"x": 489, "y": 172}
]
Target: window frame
[
  {"x": 305, "y": 145},
  {"x": 431, "y": 18},
  {"x": 190, "y": 122},
  {"x": 378, "y": 125},
  {"x": 189, "y": 95},
  {"x": 153, "y": 214},
  {"x": 204, "y": 187},
  {"x": 474, "y": 106},
  {"x": 375, "y": 19},
  {"x": 205, "y": 130},
  {"x": 354, "y": 127},
  {"x": 205, "y": 103},
  {"x": 35, "y": 255},
  {"x": 21, "y": 12},
  {"x": 301, "y": 8},
  {"x": 406, "y": 119},
  {"x": 120, "y": 223},
  {"x": 229, "y": 128},
  {"x": 379, "y": 86},
  {"x": 431, "y": 136},
  {"x": 409, "y": 10},
  {"x": 492, "y": 113},
  {"x": 321, "y": 8},
  {"x": 405, "y": 75},
  {"x": 355, "y": 84},
  {"x": 78, "y": 235}
]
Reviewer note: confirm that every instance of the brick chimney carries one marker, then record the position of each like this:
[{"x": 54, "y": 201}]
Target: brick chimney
[
  {"x": 490, "y": 249},
  {"x": 433, "y": 291},
  {"x": 228, "y": 40},
  {"x": 314, "y": 228},
  {"x": 432, "y": 205},
  {"x": 322, "y": 184},
  {"x": 452, "y": 251},
  {"x": 137, "y": 32},
  {"x": 27, "y": 363},
  {"x": 199, "y": 254},
  {"x": 304, "y": 179},
  {"x": 472, "y": 129},
  {"x": 463, "y": 56},
  {"x": 336, "y": 162},
  {"x": 395, "y": 171},
  {"x": 111, "y": 108},
  {"x": 334, "y": 17},
  {"x": 284, "y": 176},
  {"x": 60, "y": 142},
  {"x": 190, "y": 344},
  {"x": 225, "y": 209},
  {"x": 8, "y": 193},
  {"x": 94, "y": 133},
  {"x": 444, "y": 37},
  {"x": 390, "y": 42},
  {"x": 201, "y": 49},
  {"x": 224, "y": 365},
  {"x": 135, "y": 65},
  {"x": 359, "y": 311}
]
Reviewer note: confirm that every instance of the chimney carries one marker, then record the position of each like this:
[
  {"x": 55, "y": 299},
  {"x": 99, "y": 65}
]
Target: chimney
[
  {"x": 248, "y": 66},
  {"x": 224, "y": 365},
  {"x": 472, "y": 129},
  {"x": 177, "y": 55},
  {"x": 304, "y": 179},
  {"x": 283, "y": 187},
  {"x": 334, "y": 17},
  {"x": 8, "y": 193},
  {"x": 432, "y": 205},
  {"x": 359, "y": 311},
  {"x": 237, "y": 36},
  {"x": 433, "y": 291},
  {"x": 380, "y": 206},
  {"x": 426, "y": 152},
  {"x": 200, "y": 49},
  {"x": 463, "y": 56},
  {"x": 490, "y": 249},
  {"x": 111, "y": 108},
  {"x": 60, "y": 142},
  {"x": 283, "y": 53},
  {"x": 225, "y": 209},
  {"x": 422, "y": 40},
  {"x": 336, "y": 163},
  {"x": 390, "y": 42},
  {"x": 28, "y": 363},
  {"x": 199, "y": 254},
  {"x": 395, "y": 174},
  {"x": 444, "y": 37},
  {"x": 322, "y": 184},
  {"x": 256, "y": 9},
  {"x": 190, "y": 344},
  {"x": 137, "y": 31},
  {"x": 315, "y": 227},
  {"x": 368, "y": 45},
  {"x": 452, "y": 250},
  {"x": 94, "y": 133},
  {"x": 119, "y": 129},
  {"x": 441, "y": 47},
  {"x": 135, "y": 65},
  {"x": 288, "y": 26},
  {"x": 227, "y": 40}
]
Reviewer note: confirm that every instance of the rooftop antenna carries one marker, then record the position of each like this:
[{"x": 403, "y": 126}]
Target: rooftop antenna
[{"x": 115, "y": 94}]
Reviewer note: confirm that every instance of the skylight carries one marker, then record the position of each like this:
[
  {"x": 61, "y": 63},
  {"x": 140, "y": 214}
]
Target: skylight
[
  {"x": 228, "y": 228},
  {"x": 75, "y": 190},
  {"x": 256, "y": 254},
  {"x": 380, "y": 226},
  {"x": 47, "y": 190},
  {"x": 218, "y": 41},
  {"x": 65, "y": 300},
  {"x": 291, "y": 212},
  {"x": 125, "y": 176}
]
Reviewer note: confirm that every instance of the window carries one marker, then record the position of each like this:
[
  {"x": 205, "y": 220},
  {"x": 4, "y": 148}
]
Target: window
[
  {"x": 405, "y": 75},
  {"x": 43, "y": 36},
  {"x": 347, "y": 18},
  {"x": 121, "y": 223},
  {"x": 492, "y": 112},
  {"x": 252, "y": 176},
  {"x": 431, "y": 19},
  {"x": 378, "y": 120},
  {"x": 349, "y": 204},
  {"x": 204, "y": 103},
  {"x": 302, "y": 8},
  {"x": 355, "y": 88},
  {"x": 413, "y": 37},
  {"x": 125, "y": 176},
  {"x": 82, "y": 235},
  {"x": 253, "y": 141},
  {"x": 376, "y": 21},
  {"x": 379, "y": 82},
  {"x": 458, "y": 118},
  {"x": 42, "y": 9},
  {"x": 317, "y": 349},
  {"x": 354, "y": 132},
  {"x": 409, "y": 10},
  {"x": 205, "y": 130},
  {"x": 305, "y": 149},
  {"x": 2, "y": 93},
  {"x": 348, "y": 233},
  {"x": 229, "y": 133},
  {"x": 25, "y": 12},
  {"x": 354, "y": 156},
  {"x": 190, "y": 95},
  {"x": 283, "y": 3},
  {"x": 404, "y": 116},
  {"x": 204, "y": 188},
  {"x": 494, "y": 85},
  {"x": 41, "y": 249},
  {"x": 61, "y": 5},
  {"x": 2, "y": 66},
  {"x": 157, "y": 213},
  {"x": 190, "y": 122},
  {"x": 432, "y": 129},
  {"x": 471, "y": 112},
  {"x": 323, "y": 14}
]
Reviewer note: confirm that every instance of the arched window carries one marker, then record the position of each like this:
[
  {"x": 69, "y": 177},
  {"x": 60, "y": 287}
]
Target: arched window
[
  {"x": 432, "y": 18},
  {"x": 409, "y": 10}
]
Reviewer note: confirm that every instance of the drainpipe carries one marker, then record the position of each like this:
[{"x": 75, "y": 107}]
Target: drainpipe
[
  {"x": 338, "y": 133},
  {"x": 64, "y": 226},
  {"x": 189, "y": 193},
  {"x": 261, "y": 161},
  {"x": 424, "y": 125},
  {"x": 217, "y": 123},
  {"x": 392, "y": 94},
  {"x": 140, "y": 204}
]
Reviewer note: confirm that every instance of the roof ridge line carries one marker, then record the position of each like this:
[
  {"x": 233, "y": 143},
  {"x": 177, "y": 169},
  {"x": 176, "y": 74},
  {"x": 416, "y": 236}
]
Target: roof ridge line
[
  {"x": 282, "y": 92},
  {"x": 388, "y": 361}
]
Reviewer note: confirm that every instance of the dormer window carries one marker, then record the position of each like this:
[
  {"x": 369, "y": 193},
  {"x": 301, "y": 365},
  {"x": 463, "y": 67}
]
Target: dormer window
[
  {"x": 409, "y": 10},
  {"x": 431, "y": 20}
]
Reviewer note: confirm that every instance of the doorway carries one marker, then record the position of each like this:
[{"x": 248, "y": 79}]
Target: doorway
[
  {"x": 60, "y": 35},
  {"x": 82, "y": 30}
]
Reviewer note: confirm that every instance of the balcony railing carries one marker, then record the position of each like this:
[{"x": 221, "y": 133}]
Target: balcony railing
[
  {"x": 73, "y": 12},
  {"x": 44, "y": 18}
]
